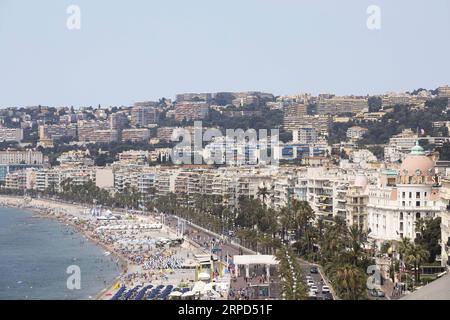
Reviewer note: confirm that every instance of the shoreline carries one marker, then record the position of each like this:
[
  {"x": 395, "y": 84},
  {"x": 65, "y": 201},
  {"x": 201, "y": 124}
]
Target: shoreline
[{"x": 123, "y": 264}]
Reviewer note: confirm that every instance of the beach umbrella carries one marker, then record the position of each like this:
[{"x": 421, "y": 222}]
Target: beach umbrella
[
  {"x": 175, "y": 294},
  {"x": 187, "y": 294},
  {"x": 204, "y": 276}
]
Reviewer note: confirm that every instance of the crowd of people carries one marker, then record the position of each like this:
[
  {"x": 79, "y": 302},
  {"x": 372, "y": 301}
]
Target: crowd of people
[{"x": 163, "y": 260}]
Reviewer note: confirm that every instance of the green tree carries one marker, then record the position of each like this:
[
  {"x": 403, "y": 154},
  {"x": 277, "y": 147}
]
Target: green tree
[{"x": 350, "y": 282}]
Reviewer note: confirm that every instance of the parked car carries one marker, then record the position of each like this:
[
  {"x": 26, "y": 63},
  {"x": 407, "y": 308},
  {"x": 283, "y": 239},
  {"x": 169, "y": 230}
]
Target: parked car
[
  {"x": 377, "y": 293},
  {"x": 314, "y": 289},
  {"x": 314, "y": 270},
  {"x": 380, "y": 294},
  {"x": 328, "y": 296},
  {"x": 312, "y": 296},
  {"x": 310, "y": 283},
  {"x": 325, "y": 289}
]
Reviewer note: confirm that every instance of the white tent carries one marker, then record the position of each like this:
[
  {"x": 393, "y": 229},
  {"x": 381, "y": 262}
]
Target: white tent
[
  {"x": 188, "y": 294},
  {"x": 204, "y": 276},
  {"x": 199, "y": 287},
  {"x": 175, "y": 294}
]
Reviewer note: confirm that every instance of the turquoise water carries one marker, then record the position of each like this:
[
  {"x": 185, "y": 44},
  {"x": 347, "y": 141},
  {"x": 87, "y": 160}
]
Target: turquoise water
[{"x": 35, "y": 254}]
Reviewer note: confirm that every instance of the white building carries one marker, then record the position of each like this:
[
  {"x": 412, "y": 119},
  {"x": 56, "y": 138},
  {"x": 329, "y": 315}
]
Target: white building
[
  {"x": 11, "y": 134},
  {"x": 401, "y": 197},
  {"x": 21, "y": 157},
  {"x": 356, "y": 133},
  {"x": 304, "y": 135},
  {"x": 400, "y": 145},
  {"x": 445, "y": 224}
]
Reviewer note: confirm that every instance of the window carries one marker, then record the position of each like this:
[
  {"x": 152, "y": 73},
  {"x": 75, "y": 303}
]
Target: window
[
  {"x": 418, "y": 215},
  {"x": 417, "y": 195},
  {"x": 417, "y": 203},
  {"x": 401, "y": 215},
  {"x": 403, "y": 195},
  {"x": 401, "y": 226},
  {"x": 410, "y": 195},
  {"x": 403, "y": 203}
]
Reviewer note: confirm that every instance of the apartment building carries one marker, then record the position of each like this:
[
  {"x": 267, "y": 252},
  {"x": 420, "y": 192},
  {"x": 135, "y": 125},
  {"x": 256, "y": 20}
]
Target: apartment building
[
  {"x": 391, "y": 99},
  {"x": 11, "y": 134},
  {"x": 336, "y": 105},
  {"x": 400, "y": 145},
  {"x": 75, "y": 158},
  {"x": 17, "y": 180},
  {"x": 194, "y": 97},
  {"x": 138, "y": 177},
  {"x": 305, "y": 135},
  {"x": 104, "y": 178},
  {"x": 165, "y": 181},
  {"x": 187, "y": 185},
  {"x": 142, "y": 116},
  {"x": 104, "y": 136},
  {"x": 165, "y": 133},
  {"x": 48, "y": 179},
  {"x": 88, "y": 130},
  {"x": 26, "y": 157},
  {"x": 325, "y": 191},
  {"x": 356, "y": 133},
  {"x": 135, "y": 135},
  {"x": 444, "y": 91},
  {"x": 357, "y": 198},
  {"x": 78, "y": 175},
  {"x": 118, "y": 120},
  {"x": 57, "y": 131},
  {"x": 191, "y": 111},
  {"x": 138, "y": 157},
  {"x": 322, "y": 123}
]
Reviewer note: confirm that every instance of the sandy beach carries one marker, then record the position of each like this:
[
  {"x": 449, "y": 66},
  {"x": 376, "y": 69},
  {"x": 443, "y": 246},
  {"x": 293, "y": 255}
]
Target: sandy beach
[{"x": 131, "y": 240}]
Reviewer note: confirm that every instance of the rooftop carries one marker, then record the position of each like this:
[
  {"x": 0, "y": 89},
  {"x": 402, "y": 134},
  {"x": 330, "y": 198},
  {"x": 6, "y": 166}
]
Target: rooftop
[{"x": 436, "y": 290}]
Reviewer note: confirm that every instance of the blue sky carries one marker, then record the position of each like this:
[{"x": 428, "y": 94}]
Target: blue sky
[{"x": 137, "y": 50}]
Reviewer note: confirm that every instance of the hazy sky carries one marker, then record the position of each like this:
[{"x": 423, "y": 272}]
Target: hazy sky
[{"x": 137, "y": 50}]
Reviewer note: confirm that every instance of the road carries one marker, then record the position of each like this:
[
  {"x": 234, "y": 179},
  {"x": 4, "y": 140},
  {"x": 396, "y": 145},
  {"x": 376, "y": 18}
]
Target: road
[
  {"x": 204, "y": 239},
  {"x": 316, "y": 277}
]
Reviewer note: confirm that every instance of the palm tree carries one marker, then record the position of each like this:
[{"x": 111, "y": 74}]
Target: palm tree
[
  {"x": 263, "y": 193},
  {"x": 285, "y": 219},
  {"x": 350, "y": 283},
  {"x": 403, "y": 247},
  {"x": 358, "y": 238},
  {"x": 416, "y": 255},
  {"x": 303, "y": 216}
]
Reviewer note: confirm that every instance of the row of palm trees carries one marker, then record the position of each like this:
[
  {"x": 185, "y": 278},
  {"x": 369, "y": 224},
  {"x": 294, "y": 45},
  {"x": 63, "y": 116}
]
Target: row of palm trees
[
  {"x": 331, "y": 243},
  {"x": 89, "y": 193},
  {"x": 292, "y": 284},
  {"x": 345, "y": 258},
  {"x": 411, "y": 254},
  {"x": 341, "y": 250}
]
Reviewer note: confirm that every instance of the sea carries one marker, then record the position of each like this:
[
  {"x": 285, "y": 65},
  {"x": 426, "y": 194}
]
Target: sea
[{"x": 43, "y": 259}]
